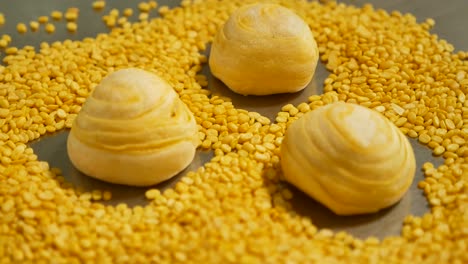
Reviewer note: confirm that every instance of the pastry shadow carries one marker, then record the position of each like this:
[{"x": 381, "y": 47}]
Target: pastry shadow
[
  {"x": 266, "y": 105},
  {"x": 386, "y": 222},
  {"x": 53, "y": 149}
]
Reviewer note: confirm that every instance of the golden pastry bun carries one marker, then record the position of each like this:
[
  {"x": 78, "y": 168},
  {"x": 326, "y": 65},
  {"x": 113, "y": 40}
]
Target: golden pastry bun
[
  {"x": 133, "y": 130},
  {"x": 348, "y": 157},
  {"x": 264, "y": 49}
]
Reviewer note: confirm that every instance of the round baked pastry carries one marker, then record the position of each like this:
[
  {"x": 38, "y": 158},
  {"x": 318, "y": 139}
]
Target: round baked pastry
[
  {"x": 348, "y": 157},
  {"x": 133, "y": 130},
  {"x": 264, "y": 49}
]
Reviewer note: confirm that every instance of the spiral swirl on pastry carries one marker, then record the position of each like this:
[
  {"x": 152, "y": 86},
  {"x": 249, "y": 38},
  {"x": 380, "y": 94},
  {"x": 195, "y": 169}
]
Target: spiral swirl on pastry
[
  {"x": 133, "y": 120},
  {"x": 348, "y": 157}
]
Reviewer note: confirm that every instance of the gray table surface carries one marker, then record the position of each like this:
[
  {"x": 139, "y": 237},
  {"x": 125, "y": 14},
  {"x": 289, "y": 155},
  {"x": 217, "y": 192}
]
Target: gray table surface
[{"x": 451, "y": 22}]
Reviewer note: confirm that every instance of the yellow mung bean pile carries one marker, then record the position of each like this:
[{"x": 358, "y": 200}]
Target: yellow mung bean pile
[{"x": 235, "y": 209}]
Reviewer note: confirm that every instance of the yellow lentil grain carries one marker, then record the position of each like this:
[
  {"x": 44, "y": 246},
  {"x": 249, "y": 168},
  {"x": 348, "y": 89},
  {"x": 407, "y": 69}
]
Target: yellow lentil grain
[
  {"x": 56, "y": 15},
  {"x": 6, "y": 37},
  {"x": 437, "y": 139},
  {"x": 152, "y": 193},
  {"x": 249, "y": 147},
  {"x": 3, "y": 43},
  {"x": 72, "y": 27},
  {"x": 153, "y": 4},
  {"x": 127, "y": 12},
  {"x": 114, "y": 12},
  {"x": 303, "y": 107},
  {"x": 34, "y": 25},
  {"x": 110, "y": 21},
  {"x": 86, "y": 196},
  {"x": 380, "y": 108},
  {"x": 452, "y": 147},
  {"x": 2, "y": 19},
  {"x": 424, "y": 138},
  {"x": 99, "y": 5},
  {"x": 61, "y": 113},
  {"x": 21, "y": 28},
  {"x": 8, "y": 205},
  {"x": 163, "y": 10},
  {"x": 449, "y": 123},
  {"x": 46, "y": 195},
  {"x": 143, "y": 16},
  {"x": 264, "y": 120},
  {"x": 217, "y": 150},
  {"x": 43, "y": 19},
  {"x": 263, "y": 157},
  {"x": 96, "y": 195},
  {"x": 50, "y": 28},
  {"x": 439, "y": 150},
  {"x": 225, "y": 148},
  {"x": 122, "y": 21},
  {"x": 10, "y": 51},
  {"x": 144, "y": 7},
  {"x": 28, "y": 214},
  {"x": 412, "y": 134},
  {"x": 281, "y": 119},
  {"x": 458, "y": 140},
  {"x": 71, "y": 14},
  {"x": 401, "y": 121},
  {"x": 397, "y": 109}
]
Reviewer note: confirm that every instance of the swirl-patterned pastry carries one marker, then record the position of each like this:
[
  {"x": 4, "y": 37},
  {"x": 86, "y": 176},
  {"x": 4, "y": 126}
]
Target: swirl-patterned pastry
[
  {"x": 133, "y": 130},
  {"x": 264, "y": 49},
  {"x": 348, "y": 157}
]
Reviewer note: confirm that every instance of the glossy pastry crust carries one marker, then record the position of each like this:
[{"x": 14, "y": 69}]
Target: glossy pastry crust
[
  {"x": 133, "y": 130},
  {"x": 264, "y": 49},
  {"x": 348, "y": 157}
]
